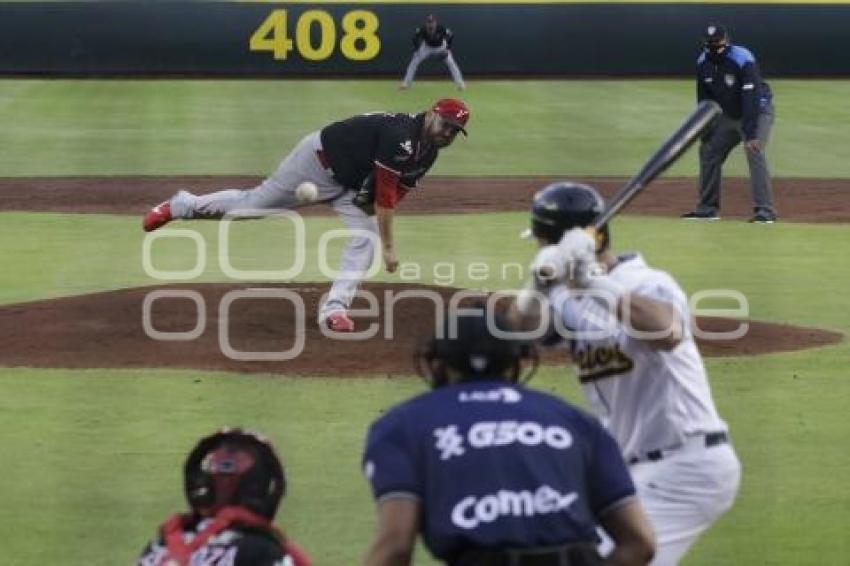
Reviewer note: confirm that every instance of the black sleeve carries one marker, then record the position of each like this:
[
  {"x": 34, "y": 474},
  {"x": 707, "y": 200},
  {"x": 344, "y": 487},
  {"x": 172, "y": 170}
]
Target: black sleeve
[
  {"x": 750, "y": 93},
  {"x": 702, "y": 91},
  {"x": 417, "y": 38},
  {"x": 255, "y": 550},
  {"x": 449, "y": 37}
]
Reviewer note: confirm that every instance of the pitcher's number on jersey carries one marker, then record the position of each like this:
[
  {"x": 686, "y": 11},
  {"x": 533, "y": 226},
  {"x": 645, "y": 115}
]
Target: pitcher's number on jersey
[{"x": 359, "y": 41}]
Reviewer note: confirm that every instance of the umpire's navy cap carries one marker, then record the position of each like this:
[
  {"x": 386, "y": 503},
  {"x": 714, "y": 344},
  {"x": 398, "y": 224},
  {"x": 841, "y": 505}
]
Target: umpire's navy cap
[{"x": 715, "y": 33}]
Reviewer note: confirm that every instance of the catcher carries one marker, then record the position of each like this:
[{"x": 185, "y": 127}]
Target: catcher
[{"x": 234, "y": 482}]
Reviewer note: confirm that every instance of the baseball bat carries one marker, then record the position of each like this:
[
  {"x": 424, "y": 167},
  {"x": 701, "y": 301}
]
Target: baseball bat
[{"x": 679, "y": 141}]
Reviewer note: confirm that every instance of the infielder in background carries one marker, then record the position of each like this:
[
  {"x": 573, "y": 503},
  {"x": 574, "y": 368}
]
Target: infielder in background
[
  {"x": 628, "y": 328},
  {"x": 492, "y": 473},
  {"x": 729, "y": 75},
  {"x": 433, "y": 40},
  {"x": 234, "y": 482},
  {"x": 362, "y": 167}
]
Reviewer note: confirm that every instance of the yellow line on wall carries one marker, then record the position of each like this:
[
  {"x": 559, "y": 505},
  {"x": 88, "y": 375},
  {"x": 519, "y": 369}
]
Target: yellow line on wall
[{"x": 445, "y": 2}]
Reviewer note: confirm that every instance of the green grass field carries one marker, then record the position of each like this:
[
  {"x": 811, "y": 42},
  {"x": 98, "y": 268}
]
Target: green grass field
[{"x": 93, "y": 457}]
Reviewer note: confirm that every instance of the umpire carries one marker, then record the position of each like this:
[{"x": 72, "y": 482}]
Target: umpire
[
  {"x": 729, "y": 75},
  {"x": 492, "y": 473}
]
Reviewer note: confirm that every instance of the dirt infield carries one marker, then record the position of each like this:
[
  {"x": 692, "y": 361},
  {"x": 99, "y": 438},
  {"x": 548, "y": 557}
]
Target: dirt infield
[
  {"x": 804, "y": 200},
  {"x": 106, "y": 330}
]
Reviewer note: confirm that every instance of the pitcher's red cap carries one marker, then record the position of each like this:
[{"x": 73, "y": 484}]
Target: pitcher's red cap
[{"x": 453, "y": 111}]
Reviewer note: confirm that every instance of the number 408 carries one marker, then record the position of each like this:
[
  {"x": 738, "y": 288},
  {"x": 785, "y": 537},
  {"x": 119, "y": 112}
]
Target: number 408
[{"x": 359, "y": 41}]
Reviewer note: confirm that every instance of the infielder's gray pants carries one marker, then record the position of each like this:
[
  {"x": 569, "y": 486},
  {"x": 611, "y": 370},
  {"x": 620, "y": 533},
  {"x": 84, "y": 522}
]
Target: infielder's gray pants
[
  {"x": 714, "y": 150},
  {"x": 278, "y": 192},
  {"x": 426, "y": 51}
]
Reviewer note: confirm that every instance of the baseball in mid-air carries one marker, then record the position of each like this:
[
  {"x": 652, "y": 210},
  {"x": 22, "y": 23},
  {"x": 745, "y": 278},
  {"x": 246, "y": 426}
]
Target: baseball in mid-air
[{"x": 307, "y": 192}]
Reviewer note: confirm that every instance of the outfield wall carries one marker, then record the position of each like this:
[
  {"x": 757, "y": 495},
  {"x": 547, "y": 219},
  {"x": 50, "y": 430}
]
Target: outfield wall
[{"x": 325, "y": 39}]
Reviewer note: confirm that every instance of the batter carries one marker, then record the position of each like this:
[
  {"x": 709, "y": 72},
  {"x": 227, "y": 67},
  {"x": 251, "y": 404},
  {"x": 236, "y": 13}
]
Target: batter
[{"x": 628, "y": 328}]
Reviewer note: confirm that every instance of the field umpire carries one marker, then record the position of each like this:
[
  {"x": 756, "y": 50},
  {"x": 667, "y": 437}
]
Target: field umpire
[
  {"x": 729, "y": 75},
  {"x": 493, "y": 473}
]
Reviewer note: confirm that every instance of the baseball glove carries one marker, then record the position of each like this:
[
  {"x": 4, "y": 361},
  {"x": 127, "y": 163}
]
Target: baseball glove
[{"x": 364, "y": 197}]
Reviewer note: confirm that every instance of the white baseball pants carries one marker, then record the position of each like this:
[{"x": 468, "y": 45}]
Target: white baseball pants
[{"x": 684, "y": 493}]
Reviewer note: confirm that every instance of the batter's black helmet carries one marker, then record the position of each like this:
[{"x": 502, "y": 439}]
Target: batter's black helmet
[
  {"x": 564, "y": 205},
  {"x": 234, "y": 467},
  {"x": 465, "y": 343}
]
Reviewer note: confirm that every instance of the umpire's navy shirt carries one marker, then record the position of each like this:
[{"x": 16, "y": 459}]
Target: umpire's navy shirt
[
  {"x": 496, "y": 465},
  {"x": 732, "y": 79}
]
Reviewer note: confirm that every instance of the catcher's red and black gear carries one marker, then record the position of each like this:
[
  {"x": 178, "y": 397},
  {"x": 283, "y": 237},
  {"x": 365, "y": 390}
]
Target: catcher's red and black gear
[
  {"x": 234, "y": 467},
  {"x": 234, "y": 482}
]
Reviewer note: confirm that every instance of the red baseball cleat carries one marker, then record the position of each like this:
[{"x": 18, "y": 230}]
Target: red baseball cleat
[
  {"x": 338, "y": 321},
  {"x": 158, "y": 216}
]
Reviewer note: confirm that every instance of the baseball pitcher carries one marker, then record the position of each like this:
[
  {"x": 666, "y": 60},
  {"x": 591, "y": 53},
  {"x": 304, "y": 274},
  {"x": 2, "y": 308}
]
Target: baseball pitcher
[{"x": 362, "y": 167}]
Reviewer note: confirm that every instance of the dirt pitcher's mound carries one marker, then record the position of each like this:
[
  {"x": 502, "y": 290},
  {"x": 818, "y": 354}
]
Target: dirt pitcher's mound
[{"x": 227, "y": 327}]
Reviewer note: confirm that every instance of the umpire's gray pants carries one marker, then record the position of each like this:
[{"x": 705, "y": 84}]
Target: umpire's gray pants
[
  {"x": 713, "y": 151},
  {"x": 278, "y": 192}
]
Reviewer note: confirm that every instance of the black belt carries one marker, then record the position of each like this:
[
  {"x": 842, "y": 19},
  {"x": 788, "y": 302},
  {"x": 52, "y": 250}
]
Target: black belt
[
  {"x": 711, "y": 439},
  {"x": 577, "y": 554}
]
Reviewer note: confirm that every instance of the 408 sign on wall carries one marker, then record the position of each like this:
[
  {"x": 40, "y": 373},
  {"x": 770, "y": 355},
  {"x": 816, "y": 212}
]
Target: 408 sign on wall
[
  {"x": 317, "y": 35},
  {"x": 331, "y": 39}
]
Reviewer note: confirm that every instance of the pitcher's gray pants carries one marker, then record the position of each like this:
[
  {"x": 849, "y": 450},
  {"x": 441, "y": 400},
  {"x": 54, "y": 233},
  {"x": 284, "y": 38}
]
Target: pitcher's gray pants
[
  {"x": 713, "y": 151},
  {"x": 278, "y": 192}
]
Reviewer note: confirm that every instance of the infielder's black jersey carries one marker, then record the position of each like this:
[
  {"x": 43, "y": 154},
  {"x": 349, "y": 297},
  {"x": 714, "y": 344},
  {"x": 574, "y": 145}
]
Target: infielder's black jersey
[
  {"x": 231, "y": 547},
  {"x": 394, "y": 141},
  {"x": 441, "y": 33},
  {"x": 732, "y": 79}
]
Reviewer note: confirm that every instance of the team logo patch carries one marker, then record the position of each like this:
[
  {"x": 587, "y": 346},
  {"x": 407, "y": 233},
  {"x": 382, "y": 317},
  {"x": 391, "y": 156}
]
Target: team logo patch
[
  {"x": 407, "y": 146},
  {"x": 501, "y": 395},
  {"x": 601, "y": 362},
  {"x": 471, "y": 512},
  {"x": 729, "y": 79},
  {"x": 450, "y": 442}
]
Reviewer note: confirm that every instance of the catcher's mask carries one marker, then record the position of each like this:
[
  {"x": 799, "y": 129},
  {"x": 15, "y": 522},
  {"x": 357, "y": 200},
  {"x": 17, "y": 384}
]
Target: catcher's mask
[
  {"x": 453, "y": 111},
  {"x": 234, "y": 467},
  {"x": 715, "y": 39},
  {"x": 464, "y": 346},
  {"x": 565, "y": 205}
]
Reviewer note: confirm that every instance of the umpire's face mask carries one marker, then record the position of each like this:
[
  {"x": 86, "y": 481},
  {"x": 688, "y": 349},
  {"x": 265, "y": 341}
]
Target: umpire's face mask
[{"x": 716, "y": 49}]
